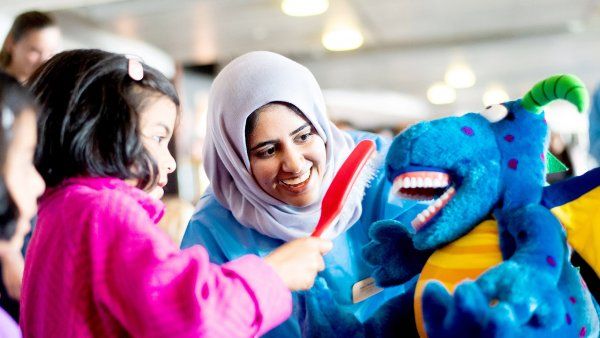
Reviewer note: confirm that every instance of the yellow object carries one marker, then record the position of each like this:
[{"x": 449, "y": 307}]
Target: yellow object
[
  {"x": 581, "y": 219},
  {"x": 466, "y": 258}
]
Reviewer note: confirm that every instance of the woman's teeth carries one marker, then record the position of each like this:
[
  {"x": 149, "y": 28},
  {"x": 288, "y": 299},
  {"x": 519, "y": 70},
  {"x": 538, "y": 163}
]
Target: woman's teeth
[{"x": 298, "y": 180}]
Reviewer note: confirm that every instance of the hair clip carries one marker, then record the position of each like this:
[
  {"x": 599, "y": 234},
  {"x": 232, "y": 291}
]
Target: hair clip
[{"x": 134, "y": 67}]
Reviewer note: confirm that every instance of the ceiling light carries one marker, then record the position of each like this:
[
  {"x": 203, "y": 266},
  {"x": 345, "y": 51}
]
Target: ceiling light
[
  {"x": 304, "y": 7},
  {"x": 460, "y": 76},
  {"x": 342, "y": 39},
  {"x": 441, "y": 93},
  {"x": 494, "y": 95}
]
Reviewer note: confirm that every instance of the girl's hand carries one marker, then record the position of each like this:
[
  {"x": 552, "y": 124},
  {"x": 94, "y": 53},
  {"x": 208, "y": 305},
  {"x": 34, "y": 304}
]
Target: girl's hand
[
  {"x": 298, "y": 262},
  {"x": 12, "y": 273}
]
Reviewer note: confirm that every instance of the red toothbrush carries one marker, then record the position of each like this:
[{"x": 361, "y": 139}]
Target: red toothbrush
[{"x": 343, "y": 183}]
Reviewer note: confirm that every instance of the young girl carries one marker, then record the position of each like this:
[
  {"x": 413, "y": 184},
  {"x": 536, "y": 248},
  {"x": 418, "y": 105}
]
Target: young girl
[
  {"x": 97, "y": 265},
  {"x": 20, "y": 184},
  {"x": 271, "y": 153}
]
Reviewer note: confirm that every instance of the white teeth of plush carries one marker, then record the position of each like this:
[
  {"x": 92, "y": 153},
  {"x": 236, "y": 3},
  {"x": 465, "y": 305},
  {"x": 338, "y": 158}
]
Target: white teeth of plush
[
  {"x": 433, "y": 209},
  {"x": 298, "y": 180},
  {"x": 439, "y": 181}
]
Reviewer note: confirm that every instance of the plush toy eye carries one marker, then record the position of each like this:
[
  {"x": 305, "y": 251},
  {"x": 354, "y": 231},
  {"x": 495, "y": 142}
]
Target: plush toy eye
[{"x": 495, "y": 112}]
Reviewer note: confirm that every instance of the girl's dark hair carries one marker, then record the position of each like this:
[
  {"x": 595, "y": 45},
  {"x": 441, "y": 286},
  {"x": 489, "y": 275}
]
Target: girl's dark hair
[
  {"x": 89, "y": 120},
  {"x": 23, "y": 24},
  {"x": 14, "y": 99}
]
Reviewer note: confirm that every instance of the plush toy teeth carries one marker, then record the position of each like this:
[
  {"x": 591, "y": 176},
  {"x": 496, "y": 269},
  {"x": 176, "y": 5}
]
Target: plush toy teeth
[
  {"x": 421, "y": 185},
  {"x": 426, "y": 215}
]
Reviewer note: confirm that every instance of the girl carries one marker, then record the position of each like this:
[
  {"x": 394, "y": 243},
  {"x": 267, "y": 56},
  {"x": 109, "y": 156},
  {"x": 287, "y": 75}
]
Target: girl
[
  {"x": 32, "y": 39},
  {"x": 20, "y": 185},
  {"x": 270, "y": 155},
  {"x": 97, "y": 265}
]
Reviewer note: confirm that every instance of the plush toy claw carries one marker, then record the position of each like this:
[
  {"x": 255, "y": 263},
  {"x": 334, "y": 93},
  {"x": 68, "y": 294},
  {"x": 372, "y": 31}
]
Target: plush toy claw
[{"x": 392, "y": 253}]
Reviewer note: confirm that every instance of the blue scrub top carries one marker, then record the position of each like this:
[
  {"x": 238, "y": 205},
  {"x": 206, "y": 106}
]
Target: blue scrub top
[{"x": 225, "y": 239}]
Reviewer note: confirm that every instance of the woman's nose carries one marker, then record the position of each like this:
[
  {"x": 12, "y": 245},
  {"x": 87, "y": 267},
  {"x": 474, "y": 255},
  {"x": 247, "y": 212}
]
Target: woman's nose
[{"x": 293, "y": 161}]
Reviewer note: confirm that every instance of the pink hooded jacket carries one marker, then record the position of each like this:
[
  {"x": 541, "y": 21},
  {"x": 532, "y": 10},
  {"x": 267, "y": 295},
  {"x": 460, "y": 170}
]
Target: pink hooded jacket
[{"x": 97, "y": 266}]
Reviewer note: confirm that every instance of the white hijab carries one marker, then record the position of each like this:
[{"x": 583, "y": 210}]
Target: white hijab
[{"x": 244, "y": 85}]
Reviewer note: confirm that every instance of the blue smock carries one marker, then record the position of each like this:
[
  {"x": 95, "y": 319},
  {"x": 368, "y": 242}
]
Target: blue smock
[
  {"x": 594, "y": 118},
  {"x": 225, "y": 239}
]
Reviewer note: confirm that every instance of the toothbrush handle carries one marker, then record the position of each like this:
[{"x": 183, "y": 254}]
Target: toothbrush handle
[{"x": 342, "y": 183}]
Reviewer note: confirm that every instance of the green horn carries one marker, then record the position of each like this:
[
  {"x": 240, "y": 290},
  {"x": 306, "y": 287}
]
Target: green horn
[{"x": 566, "y": 86}]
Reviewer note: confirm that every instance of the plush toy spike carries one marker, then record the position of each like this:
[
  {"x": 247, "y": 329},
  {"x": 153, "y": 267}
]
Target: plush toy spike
[
  {"x": 554, "y": 165},
  {"x": 567, "y": 87}
]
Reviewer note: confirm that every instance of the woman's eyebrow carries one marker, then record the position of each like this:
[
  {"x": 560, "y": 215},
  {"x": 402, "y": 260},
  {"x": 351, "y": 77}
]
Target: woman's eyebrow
[
  {"x": 300, "y": 128},
  {"x": 261, "y": 144}
]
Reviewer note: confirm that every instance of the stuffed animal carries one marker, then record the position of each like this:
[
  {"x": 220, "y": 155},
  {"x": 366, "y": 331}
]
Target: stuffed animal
[{"x": 500, "y": 255}]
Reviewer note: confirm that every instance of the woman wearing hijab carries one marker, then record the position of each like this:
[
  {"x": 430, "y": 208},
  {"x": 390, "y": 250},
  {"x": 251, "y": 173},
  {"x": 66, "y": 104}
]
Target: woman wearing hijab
[{"x": 270, "y": 155}]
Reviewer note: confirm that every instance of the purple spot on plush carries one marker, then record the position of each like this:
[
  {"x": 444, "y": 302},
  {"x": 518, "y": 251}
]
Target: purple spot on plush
[
  {"x": 569, "y": 320},
  {"x": 572, "y": 299},
  {"x": 544, "y": 120},
  {"x": 543, "y": 156},
  {"x": 467, "y": 131},
  {"x": 509, "y": 138},
  {"x": 550, "y": 260},
  {"x": 512, "y": 164},
  {"x": 582, "y": 332}
]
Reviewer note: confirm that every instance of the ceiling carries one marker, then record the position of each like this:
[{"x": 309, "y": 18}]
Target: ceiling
[{"x": 408, "y": 43}]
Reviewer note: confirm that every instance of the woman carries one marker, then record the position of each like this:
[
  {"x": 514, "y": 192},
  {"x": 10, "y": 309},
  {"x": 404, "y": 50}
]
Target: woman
[
  {"x": 270, "y": 155},
  {"x": 20, "y": 185},
  {"x": 32, "y": 39}
]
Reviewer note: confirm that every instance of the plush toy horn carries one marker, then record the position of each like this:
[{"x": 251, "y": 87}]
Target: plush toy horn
[{"x": 566, "y": 86}]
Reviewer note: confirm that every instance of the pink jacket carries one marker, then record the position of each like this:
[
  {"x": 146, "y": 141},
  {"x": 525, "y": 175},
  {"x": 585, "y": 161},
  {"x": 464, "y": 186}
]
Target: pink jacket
[{"x": 97, "y": 266}]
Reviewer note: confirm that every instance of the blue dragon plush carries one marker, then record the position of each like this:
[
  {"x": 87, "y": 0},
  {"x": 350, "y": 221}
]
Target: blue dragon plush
[{"x": 474, "y": 167}]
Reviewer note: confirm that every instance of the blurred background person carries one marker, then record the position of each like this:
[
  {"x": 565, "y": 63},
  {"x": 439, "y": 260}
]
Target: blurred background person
[
  {"x": 33, "y": 38},
  {"x": 20, "y": 186}
]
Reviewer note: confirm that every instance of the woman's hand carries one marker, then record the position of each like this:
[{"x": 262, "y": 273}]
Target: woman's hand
[{"x": 298, "y": 262}]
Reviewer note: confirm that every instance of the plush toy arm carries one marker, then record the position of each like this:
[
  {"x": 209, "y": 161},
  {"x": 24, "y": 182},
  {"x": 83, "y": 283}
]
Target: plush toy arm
[
  {"x": 392, "y": 252},
  {"x": 534, "y": 247},
  {"x": 464, "y": 314}
]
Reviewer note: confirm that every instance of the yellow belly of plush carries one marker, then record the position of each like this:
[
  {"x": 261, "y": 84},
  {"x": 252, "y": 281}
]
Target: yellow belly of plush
[{"x": 466, "y": 258}]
